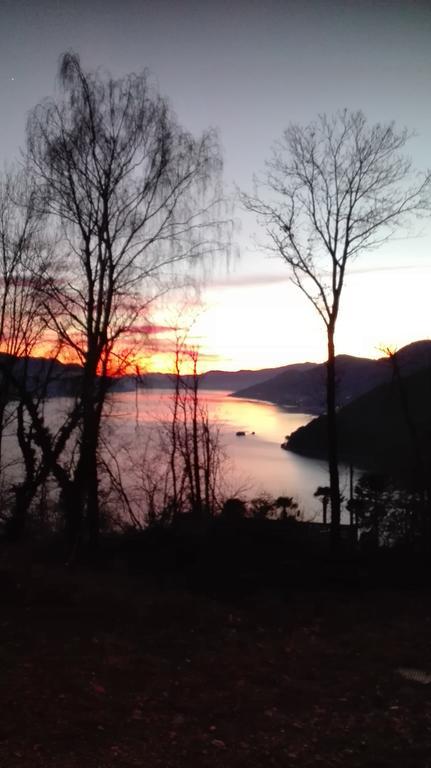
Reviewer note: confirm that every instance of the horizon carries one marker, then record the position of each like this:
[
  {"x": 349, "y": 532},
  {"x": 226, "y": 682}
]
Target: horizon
[{"x": 148, "y": 369}]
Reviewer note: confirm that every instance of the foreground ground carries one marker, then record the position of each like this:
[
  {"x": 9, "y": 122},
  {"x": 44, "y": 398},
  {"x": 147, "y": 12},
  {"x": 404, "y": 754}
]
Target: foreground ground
[{"x": 99, "y": 669}]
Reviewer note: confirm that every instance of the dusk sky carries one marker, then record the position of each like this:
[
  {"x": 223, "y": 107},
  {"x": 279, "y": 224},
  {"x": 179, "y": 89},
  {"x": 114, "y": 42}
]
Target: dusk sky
[{"x": 248, "y": 69}]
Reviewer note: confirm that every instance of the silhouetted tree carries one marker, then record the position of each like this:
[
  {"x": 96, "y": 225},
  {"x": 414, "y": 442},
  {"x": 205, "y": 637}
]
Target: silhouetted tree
[
  {"x": 178, "y": 468},
  {"x": 285, "y": 503},
  {"x": 333, "y": 189},
  {"x": 130, "y": 194},
  {"x": 324, "y": 493},
  {"x": 387, "y": 514},
  {"x": 234, "y": 510},
  {"x": 23, "y": 257},
  {"x": 193, "y": 443},
  {"x": 262, "y": 507}
]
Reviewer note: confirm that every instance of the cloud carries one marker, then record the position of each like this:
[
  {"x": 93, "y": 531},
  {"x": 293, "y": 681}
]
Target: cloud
[
  {"x": 151, "y": 330},
  {"x": 169, "y": 347},
  {"x": 238, "y": 281},
  {"x": 388, "y": 268},
  {"x": 256, "y": 280}
]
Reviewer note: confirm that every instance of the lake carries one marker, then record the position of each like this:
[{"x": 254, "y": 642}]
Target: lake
[{"x": 255, "y": 463}]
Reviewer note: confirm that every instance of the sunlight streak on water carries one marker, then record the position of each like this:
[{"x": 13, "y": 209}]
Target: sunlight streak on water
[{"x": 256, "y": 462}]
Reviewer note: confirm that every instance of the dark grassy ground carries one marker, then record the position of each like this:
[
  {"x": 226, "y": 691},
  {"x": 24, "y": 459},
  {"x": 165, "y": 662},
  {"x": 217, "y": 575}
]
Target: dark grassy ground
[{"x": 101, "y": 668}]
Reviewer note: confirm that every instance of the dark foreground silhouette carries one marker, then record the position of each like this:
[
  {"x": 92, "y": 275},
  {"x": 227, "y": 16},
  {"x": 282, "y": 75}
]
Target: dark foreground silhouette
[{"x": 172, "y": 650}]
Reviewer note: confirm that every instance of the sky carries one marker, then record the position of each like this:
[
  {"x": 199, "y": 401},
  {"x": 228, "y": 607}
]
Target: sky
[{"x": 249, "y": 69}]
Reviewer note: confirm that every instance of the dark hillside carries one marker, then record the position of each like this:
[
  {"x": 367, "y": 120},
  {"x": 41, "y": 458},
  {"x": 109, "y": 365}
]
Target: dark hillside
[
  {"x": 385, "y": 428},
  {"x": 303, "y": 386}
]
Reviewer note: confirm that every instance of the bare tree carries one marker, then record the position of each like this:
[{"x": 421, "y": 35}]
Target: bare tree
[
  {"x": 177, "y": 467},
  {"x": 133, "y": 195},
  {"x": 23, "y": 256},
  {"x": 195, "y": 452},
  {"x": 324, "y": 493},
  {"x": 332, "y": 190}
]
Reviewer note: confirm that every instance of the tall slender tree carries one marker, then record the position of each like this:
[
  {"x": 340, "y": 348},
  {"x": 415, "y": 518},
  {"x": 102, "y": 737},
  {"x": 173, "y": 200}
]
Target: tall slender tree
[{"x": 332, "y": 190}]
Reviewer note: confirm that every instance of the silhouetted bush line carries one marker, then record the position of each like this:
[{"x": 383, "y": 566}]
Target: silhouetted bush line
[{"x": 234, "y": 555}]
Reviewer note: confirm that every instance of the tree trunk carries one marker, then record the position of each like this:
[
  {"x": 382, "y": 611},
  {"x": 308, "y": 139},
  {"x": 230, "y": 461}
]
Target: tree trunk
[
  {"x": 174, "y": 440},
  {"x": 325, "y": 511},
  {"x": 196, "y": 449},
  {"x": 86, "y": 477},
  {"x": 334, "y": 481},
  {"x": 85, "y": 482},
  {"x": 27, "y": 488},
  {"x": 93, "y": 507}
]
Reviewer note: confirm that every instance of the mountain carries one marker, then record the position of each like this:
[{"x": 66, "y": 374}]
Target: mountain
[
  {"x": 62, "y": 379},
  {"x": 388, "y": 428},
  {"x": 52, "y": 377},
  {"x": 302, "y": 386},
  {"x": 40, "y": 373},
  {"x": 224, "y": 380}
]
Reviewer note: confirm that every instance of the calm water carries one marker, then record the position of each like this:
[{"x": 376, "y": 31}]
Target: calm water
[{"x": 255, "y": 463}]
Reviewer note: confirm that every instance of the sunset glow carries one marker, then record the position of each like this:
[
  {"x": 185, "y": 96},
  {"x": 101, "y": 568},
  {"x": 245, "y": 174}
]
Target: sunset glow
[{"x": 271, "y": 324}]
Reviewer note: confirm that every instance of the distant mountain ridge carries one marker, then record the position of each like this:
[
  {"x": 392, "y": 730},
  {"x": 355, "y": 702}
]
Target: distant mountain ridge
[
  {"x": 41, "y": 374},
  {"x": 298, "y": 385},
  {"x": 224, "y": 380},
  {"x": 302, "y": 386},
  {"x": 62, "y": 379}
]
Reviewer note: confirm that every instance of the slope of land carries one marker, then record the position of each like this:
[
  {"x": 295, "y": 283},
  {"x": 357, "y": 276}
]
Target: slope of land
[
  {"x": 388, "y": 428},
  {"x": 41, "y": 374},
  {"x": 303, "y": 387}
]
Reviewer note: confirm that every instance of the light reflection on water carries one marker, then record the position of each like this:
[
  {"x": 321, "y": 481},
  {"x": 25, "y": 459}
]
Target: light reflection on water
[{"x": 256, "y": 462}]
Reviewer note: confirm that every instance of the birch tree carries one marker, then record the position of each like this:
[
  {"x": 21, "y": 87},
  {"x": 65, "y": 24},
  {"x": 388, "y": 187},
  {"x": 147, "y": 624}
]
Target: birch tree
[{"x": 132, "y": 196}]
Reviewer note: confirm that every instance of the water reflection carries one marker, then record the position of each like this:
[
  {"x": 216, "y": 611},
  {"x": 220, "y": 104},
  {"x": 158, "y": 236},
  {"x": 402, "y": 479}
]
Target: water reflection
[{"x": 256, "y": 462}]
